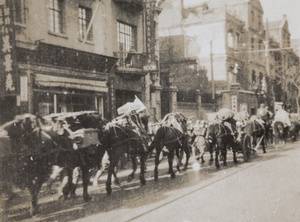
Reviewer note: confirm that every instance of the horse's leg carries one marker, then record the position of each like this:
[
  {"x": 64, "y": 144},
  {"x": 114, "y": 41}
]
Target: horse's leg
[
  {"x": 187, "y": 153},
  {"x": 217, "y": 164},
  {"x": 178, "y": 162},
  {"x": 116, "y": 180},
  {"x": 97, "y": 176},
  {"x": 113, "y": 163},
  {"x": 134, "y": 167},
  {"x": 263, "y": 144},
  {"x": 34, "y": 190},
  {"x": 181, "y": 156},
  {"x": 224, "y": 155},
  {"x": 170, "y": 160},
  {"x": 85, "y": 182},
  {"x": 157, "y": 161},
  {"x": 66, "y": 183},
  {"x": 234, "y": 152},
  {"x": 143, "y": 165}
]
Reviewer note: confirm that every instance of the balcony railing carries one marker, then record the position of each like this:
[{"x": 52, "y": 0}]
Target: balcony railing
[{"x": 130, "y": 59}]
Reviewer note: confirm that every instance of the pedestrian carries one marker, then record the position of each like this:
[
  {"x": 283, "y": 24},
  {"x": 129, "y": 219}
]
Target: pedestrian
[{"x": 199, "y": 144}]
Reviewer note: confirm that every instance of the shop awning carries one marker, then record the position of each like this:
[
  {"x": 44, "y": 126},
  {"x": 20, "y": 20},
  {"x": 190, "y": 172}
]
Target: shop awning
[{"x": 70, "y": 83}]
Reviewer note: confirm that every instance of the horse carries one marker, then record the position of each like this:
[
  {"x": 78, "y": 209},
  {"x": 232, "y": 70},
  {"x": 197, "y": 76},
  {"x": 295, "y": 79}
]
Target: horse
[
  {"x": 256, "y": 130},
  {"x": 120, "y": 139},
  {"x": 220, "y": 139},
  {"x": 293, "y": 132},
  {"x": 30, "y": 160},
  {"x": 174, "y": 140},
  {"x": 83, "y": 158},
  {"x": 280, "y": 132}
]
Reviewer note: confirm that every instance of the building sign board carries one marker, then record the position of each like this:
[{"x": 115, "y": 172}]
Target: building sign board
[
  {"x": 234, "y": 103},
  {"x": 8, "y": 74},
  {"x": 149, "y": 6}
]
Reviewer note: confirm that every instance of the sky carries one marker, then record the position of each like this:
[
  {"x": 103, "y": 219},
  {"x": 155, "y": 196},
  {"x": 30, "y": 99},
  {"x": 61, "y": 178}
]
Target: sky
[{"x": 274, "y": 10}]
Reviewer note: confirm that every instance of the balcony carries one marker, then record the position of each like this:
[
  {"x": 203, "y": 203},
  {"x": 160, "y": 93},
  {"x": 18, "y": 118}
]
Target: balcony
[
  {"x": 134, "y": 6},
  {"x": 130, "y": 62}
]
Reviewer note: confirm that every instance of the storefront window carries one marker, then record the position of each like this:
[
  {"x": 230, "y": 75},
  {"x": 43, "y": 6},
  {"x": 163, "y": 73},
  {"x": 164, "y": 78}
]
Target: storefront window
[
  {"x": 47, "y": 103},
  {"x": 44, "y": 103}
]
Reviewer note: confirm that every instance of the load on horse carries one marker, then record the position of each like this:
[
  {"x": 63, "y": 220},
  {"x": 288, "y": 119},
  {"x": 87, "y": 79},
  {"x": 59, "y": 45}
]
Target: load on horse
[
  {"x": 127, "y": 134},
  {"x": 223, "y": 134},
  {"x": 173, "y": 135},
  {"x": 281, "y": 125},
  {"x": 29, "y": 157},
  {"x": 79, "y": 136}
]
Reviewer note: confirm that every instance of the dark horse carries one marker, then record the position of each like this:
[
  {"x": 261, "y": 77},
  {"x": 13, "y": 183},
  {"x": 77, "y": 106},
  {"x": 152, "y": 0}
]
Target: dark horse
[
  {"x": 294, "y": 129},
  {"x": 220, "y": 139},
  {"x": 85, "y": 158},
  {"x": 173, "y": 140},
  {"x": 30, "y": 161},
  {"x": 280, "y": 132},
  {"x": 118, "y": 140},
  {"x": 256, "y": 131}
]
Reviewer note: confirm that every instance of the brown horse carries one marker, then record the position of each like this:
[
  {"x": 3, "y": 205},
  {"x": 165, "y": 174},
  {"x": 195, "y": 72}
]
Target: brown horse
[
  {"x": 220, "y": 139},
  {"x": 256, "y": 131},
  {"x": 280, "y": 132},
  {"x": 173, "y": 140},
  {"x": 118, "y": 140},
  {"x": 30, "y": 161}
]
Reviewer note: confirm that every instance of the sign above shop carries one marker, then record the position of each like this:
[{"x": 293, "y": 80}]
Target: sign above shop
[{"x": 8, "y": 76}]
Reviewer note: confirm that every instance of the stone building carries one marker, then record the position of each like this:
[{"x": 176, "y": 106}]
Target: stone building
[
  {"x": 58, "y": 67},
  {"x": 285, "y": 64},
  {"x": 230, "y": 34}
]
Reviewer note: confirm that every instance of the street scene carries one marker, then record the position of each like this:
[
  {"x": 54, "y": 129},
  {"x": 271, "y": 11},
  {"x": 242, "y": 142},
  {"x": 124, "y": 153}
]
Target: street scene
[{"x": 149, "y": 110}]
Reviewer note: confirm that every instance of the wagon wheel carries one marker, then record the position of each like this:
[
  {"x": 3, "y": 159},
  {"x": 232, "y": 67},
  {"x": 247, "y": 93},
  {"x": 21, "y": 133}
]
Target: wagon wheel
[{"x": 246, "y": 145}]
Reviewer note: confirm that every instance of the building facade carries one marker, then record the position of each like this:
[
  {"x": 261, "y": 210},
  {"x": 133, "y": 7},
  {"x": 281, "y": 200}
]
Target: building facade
[
  {"x": 75, "y": 55},
  {"x": 228, "y": 35}
]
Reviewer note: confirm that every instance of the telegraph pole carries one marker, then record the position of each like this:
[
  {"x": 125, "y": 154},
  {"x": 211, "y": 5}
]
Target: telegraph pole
[
  {"x": 212, "y": 72},
  {"x": 267, "y": 60}
]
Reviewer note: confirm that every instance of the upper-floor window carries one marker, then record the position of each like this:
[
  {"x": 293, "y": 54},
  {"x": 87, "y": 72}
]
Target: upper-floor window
[
  {"x": 126, "y": 37},
  {"x": 56, "y": 21},
  {"x": 252, "y": 43},
  {"x": 259, "y": 22},
  {"x": 230, "y": 39},
  {"x": 84, "y": 18},
  {"x": 253, "y": 77},
  {"x": 20, "y": 11},
  {"x": 252, "y": 16}
]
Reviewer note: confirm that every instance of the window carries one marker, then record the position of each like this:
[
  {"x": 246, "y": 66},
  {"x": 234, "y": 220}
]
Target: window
[
  {"x": 259, "y": 21},
  {"x": 20, "y": 11},
  {"x": 252, "y": 16},
  {"x": 253, "y": 77},
  {"x": 230, "y": 39},
  {"x": 84, "y": 18},
  {"x": 56, "y": 16},
  {"x": 126, "y": 37},
  {"x": 252, "y": 43}
]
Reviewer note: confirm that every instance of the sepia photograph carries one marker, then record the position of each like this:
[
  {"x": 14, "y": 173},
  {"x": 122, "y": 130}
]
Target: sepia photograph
[{"x": 149, "y": 110}]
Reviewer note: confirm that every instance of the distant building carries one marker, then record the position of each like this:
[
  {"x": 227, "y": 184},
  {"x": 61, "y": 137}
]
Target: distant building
[
  {"x": 232, "y": 32},
  {"x": 285, "y": 63}
]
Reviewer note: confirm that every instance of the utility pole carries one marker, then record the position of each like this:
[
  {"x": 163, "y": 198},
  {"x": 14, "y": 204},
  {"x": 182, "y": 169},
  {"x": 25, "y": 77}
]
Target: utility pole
[
  {"x": 267, "y": 60},
  {"x": 212, "y": 72}
]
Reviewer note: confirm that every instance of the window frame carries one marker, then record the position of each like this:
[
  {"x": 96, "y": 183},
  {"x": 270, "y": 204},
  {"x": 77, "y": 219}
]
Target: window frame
[
  {"x": 127, "y": 36},
  {"x": 20, "y": 12},
  {"x": 57, "y": 16},
  {"x": 83, "y": 22}
]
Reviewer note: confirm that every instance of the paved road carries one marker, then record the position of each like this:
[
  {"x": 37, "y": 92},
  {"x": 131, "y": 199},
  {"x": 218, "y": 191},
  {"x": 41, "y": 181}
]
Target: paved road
[{"x": 267, "y": 188}]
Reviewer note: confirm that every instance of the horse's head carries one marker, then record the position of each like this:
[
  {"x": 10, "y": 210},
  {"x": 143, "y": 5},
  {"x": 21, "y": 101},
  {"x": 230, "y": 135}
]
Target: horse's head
[{"x": 278, "y": 128}]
